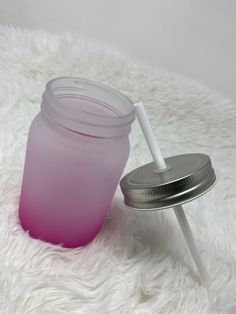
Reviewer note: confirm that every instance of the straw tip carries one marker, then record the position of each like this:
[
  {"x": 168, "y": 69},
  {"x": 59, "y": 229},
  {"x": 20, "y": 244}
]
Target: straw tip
[{"x": 138, "y": 104}]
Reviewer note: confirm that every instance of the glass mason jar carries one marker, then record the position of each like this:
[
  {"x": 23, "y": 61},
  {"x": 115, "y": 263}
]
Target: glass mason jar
[{"x": 77, "y": 149}]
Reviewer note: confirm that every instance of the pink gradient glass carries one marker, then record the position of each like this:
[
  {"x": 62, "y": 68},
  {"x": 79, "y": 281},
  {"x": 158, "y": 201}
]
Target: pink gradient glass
[{"x": 77, "y": 149}]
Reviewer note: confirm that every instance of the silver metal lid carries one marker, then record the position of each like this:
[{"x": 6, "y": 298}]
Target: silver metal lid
[{"x": 187, "y": 177}]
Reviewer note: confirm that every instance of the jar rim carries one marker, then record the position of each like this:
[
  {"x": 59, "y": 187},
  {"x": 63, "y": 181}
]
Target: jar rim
[
  {"x": 75, "y": 119},
  {"x": 129, "y": 115}
]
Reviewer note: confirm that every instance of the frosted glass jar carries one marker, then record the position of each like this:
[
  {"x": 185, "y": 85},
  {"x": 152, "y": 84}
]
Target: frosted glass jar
[{"x": 77, "y": 149}]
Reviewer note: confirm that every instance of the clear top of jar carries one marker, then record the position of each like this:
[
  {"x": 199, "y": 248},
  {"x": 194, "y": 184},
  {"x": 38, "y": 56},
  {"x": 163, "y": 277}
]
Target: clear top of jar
[{"x": 87, "y": 107}]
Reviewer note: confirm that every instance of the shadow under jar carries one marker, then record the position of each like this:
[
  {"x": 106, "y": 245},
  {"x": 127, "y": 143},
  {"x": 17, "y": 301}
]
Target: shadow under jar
[{"x": 77, "y": 149}]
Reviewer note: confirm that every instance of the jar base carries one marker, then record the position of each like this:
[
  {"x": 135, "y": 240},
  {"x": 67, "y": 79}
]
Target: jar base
[{"x": 67, "y": 243}]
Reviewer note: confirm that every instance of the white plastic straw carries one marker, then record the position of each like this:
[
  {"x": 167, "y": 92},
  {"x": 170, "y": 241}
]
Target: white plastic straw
[
  {"x": 161, "y": 165},
  {"x": 187, "y": 232},
  {"x": 149, "y": 136}
]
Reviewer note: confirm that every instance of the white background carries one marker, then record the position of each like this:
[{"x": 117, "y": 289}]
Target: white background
[{"x": 195, "y": 38}]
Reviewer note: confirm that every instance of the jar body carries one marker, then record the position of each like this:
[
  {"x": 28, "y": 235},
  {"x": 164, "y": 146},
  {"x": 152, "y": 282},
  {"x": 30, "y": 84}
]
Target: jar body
[
  {"x": 68, "y": 184},
  {"x": 77, "y": 149}
]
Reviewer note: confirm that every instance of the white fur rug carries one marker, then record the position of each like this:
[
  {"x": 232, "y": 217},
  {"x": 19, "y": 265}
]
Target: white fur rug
[{"x": 139, "y": 262}]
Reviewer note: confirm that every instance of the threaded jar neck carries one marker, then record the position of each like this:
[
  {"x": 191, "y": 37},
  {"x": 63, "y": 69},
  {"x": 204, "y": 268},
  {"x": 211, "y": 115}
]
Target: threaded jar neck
[{"x": 87, "y": 107}]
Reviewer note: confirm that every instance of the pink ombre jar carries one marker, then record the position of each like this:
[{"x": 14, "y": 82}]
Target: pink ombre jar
[{"x": 77, "y": 149}]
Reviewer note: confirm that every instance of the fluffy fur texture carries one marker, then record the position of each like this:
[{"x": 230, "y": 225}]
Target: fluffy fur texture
[{"x": 139, "y": 262}]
